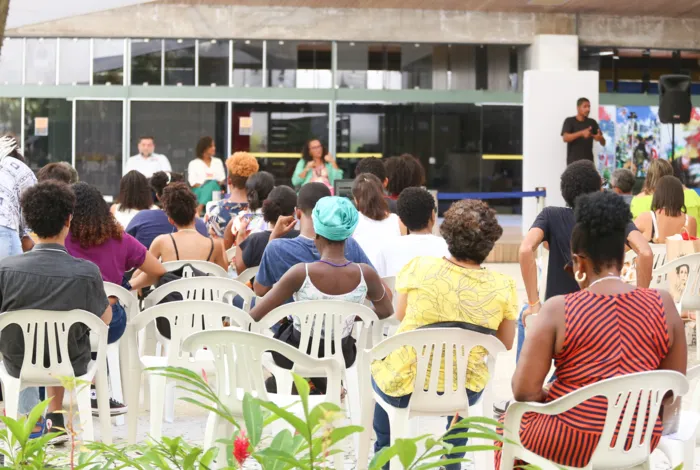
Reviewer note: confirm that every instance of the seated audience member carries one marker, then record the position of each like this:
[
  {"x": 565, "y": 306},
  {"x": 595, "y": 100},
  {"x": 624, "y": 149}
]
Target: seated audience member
[
  {"x": 403, "y": 172},
  {"x": 180, "y": 205},
  {"x": 74, "y": 178},
  {"x": 147, "y": 225},
  {"x": 15, "y": 178},
  {"x": 281, "y": 202},
  {"x": 658, "y": 169},
  {"x": 605, "y": 330},
  {"x": 283, "y": 253},
  {"x": 667, "y": 216},
  {"x": 554, "y": 226},
  {"x": 56, "y": 171},
  {"x": 95, "y": 235},
  {"x": 250, "y": 220},
  {"x": 377, "y": 226},
  {"x": 417, "y": 211},
  {"x": 48, "y": 278},
  {"x": 470, "y": 229},
  {"x": 375, "y": 166},
  {"x": 332, "y": 277},
  {"x": 622, "y": 182},
  {"x": 241, "y": 166},
  {"x": 134, "y": 197},
  {"x": 206, "y": 173}
]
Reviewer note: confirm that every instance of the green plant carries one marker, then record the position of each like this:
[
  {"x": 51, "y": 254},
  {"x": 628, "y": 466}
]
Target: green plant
[{"x": 18, "y": 450}]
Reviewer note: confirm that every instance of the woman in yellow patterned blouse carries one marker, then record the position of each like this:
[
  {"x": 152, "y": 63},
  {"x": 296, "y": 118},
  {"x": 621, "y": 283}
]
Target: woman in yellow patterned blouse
[{"x": 454, "y": 289}]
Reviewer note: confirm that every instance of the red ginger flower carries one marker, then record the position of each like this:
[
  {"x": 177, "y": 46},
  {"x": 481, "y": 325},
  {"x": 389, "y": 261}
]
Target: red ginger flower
[{"x": 240, "y": 448}]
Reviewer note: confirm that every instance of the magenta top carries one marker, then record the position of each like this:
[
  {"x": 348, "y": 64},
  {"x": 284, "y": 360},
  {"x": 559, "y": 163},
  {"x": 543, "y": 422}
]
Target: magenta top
[{"x": 113, "y": 257}]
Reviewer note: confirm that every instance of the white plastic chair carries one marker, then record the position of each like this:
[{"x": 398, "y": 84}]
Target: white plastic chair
[
  {"x": 117, "y": 352},
  {"x": 683, "y": 451},
  {"x": 204, "y": 266},
  {"x": 243, "y": 351},
  {"x": 328, "y": 316},
  {"x": 646, "y": 389},
  {"x": 40, "y": 327},
  {"x": 659, "y": 252},
  {"x": 387, "y": 326},
  {"x": 451, "y": 344},
  {"x": 248, "y": 274},
  {"x": 185, "y": 317}
]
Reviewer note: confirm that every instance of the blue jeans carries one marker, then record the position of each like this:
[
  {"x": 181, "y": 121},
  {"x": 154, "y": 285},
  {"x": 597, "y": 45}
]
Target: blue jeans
[
  {"x": 521, "y": 334},
  {"x": 383, "y": 429},
  {"x": 11, "y": 245},
  {"x": 118, "y": 324}
]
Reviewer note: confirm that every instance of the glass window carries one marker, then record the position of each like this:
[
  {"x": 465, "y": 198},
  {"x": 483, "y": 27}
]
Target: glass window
[
  {"x": 416, "y": 66},
  {"x": 247, "y": 63},
  {"x": 11, "y": 116},
  {"x": 213, "y": 62},
  {"x": 293, "y": 64},
  {"x": 47, "y": 131},
  {"x": 146, "y": 61},
  {"x": 98, "y": 144},
  {"x": 108, "y": 61},
  {"x": 352, "y": 65},
  {"x": 177, "y": 126},
  {"x": 11, "y": 61},
  {"x": 179, "y": 62},
  {"x": 276, "y": 133},
  {"x": 41, "y": 61},
  {"x": 74, "y": 62}
]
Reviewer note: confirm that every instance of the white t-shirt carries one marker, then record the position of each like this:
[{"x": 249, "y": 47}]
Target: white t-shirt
[
  {"x": 396, "y": 254},
  {"x": 147, "y": 166},
  {"x": 371, "y": 235},
  {"x": 198, "y": 172},
  {"x": 124, "y": 217}
]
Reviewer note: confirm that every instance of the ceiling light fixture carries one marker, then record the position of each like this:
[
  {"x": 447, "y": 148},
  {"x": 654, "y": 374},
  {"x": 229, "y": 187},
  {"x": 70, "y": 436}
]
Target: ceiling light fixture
[
  {"x": 605, "y": 53},
  {"x": 547, "y": 3}
]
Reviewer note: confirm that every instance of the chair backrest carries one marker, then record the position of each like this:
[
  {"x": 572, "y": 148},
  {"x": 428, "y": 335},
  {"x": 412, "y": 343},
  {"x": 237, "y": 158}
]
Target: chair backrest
[
  {"x": 434, "y": 347},
  {"x": 327, "y": 316},
  {"x": 204, "y": 266},
  {"x": 690, "y": 298},
  {"x": 692, "y": 374},
  {"x": 242, "y": 351},
  {"x": 248, "y": 274},
  {"x": 213, "y": 289},
  {"x": 43, "y": 328},
  {"x": 126, "y": 298},
  {"x": 187, "y": 317},
  {"x": 630, "y": 263}
]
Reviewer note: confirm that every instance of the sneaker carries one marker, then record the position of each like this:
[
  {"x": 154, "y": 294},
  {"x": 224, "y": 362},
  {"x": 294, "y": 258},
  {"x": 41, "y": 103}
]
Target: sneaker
[
  {"x": 115, "y": 408},
  {"x": 55, "y": 424}
]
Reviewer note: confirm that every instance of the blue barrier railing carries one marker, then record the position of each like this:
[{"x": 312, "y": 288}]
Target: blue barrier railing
[{"x": 500, "y": 195}]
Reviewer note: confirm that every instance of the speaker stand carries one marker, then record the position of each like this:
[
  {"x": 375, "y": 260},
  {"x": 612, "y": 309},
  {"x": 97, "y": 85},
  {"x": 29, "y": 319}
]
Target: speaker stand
[{"x": 673, "y": 142}]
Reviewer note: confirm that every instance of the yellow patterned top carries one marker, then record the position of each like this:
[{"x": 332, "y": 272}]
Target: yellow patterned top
[{"x": 440, "y": 291}]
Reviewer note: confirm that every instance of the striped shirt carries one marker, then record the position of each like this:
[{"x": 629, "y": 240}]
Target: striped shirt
[{"x": 15, "y": 177}]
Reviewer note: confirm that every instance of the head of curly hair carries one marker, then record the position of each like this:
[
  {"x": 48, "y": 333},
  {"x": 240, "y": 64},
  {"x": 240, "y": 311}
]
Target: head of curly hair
[
  {"x": 600, "y": 232},
  {"x": 93, "y": 223},
  {"x": 579, "y": 178},
  {"x": 241, "y": 165},
  {"x": 47, "y": 206},
  {"x": 471, "y": 230},
  {"x": 161, "y": 179},
  {"x": 179, "y": 203},
  {"x": 403, "y": 172}
]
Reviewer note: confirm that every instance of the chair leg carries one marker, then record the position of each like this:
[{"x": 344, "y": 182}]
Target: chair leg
[
  {"x": 365, "y": 437},
  {"x": 170, "y": 402},
  {"x": 84, "y": 412},
  {"x": 399, "y": 425},
  {"x": 210, "y": 430},
  {"x": 353, "y": 399},
  {"x": 10, "y": 390},
  {"x": 115, "y": 377},
  {"x": 132, "y": 400},
  {"x": 157, "y": 392},
  {"x": 102, "y": 390},
  {"x": 507, "y": 457}
]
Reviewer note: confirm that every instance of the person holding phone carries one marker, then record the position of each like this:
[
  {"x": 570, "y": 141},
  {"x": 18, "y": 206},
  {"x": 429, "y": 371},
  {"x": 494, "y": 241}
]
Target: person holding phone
[{"x": 579, "y": 132}]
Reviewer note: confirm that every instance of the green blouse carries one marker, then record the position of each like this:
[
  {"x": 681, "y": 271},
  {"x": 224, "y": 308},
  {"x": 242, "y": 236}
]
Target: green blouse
[{"x": 333, "y": 174}]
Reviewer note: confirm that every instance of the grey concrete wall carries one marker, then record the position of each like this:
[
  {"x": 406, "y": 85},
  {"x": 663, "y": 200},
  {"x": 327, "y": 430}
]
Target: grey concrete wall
[{"x": 357, "y": 24}]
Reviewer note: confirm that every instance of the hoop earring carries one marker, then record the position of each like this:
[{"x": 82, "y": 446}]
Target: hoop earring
[{"x": 580, "y": 279}]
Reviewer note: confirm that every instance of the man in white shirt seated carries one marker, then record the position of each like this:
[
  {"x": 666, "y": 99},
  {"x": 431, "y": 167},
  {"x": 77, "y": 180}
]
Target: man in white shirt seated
[
  {"x": 147, "y": 162},
  {"x": 417, "y": 211}
]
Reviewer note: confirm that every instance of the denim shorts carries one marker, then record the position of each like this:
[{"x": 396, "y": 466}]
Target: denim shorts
[{"x": 118, "y": 324}]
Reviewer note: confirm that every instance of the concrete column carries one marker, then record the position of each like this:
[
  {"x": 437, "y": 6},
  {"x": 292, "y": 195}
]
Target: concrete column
[
  {"x": 551, "y": 87},
  {"x": 498, "y": 60},
  {"x": 463, "y": 60}
]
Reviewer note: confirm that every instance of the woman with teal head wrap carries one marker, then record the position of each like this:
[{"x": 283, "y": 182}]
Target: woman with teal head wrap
[{"x": 333, "y": 277}]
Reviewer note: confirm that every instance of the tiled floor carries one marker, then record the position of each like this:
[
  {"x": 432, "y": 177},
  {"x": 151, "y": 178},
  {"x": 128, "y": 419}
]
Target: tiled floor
[{"x": 190, "y": 421}]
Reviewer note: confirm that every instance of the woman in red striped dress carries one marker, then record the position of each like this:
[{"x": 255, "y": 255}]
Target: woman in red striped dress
[{"x": 605, "y": 330}]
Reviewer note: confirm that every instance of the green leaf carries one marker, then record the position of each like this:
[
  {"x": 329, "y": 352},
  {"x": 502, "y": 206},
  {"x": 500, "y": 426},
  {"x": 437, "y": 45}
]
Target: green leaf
[
  {"x": 320, "y": 412},
  {"x": 283, "y": 456},
  {"x": 440, "y": 463},
  {"x": 382, "y": 457},
  {"x": 208, "y": 457},
  {"x": 406, "y": 449},
  {"x": 302, "y": 386},
  {"x": 297, "y": 423},
  {"x": 459, "y": 450},
  {"x": 253, "y": 417},
  {"x": 16, "y": 429},
  {"x": 191, "y": 458}
]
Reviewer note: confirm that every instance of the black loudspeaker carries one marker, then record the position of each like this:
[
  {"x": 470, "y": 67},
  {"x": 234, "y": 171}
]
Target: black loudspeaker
[{"x": 674, "y": 99}]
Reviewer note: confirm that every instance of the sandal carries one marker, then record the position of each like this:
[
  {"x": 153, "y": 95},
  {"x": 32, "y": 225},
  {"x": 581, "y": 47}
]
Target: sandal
[{"x": 37, "y": 434}]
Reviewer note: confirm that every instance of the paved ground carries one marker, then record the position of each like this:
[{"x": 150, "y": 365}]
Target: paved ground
[{"x": 190, "y": 421}]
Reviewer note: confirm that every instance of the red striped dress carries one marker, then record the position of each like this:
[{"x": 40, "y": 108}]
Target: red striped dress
[{"x": 606, "y": 336}]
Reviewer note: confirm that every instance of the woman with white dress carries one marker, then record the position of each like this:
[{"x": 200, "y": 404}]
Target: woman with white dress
[
  {"x": 206, "y": 173},
  {"x": 134, "y": 197},
  {"x": 376, "y": 225}
]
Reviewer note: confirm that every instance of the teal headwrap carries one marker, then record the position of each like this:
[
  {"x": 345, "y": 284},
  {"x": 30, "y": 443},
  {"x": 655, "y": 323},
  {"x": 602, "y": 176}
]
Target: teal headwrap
[{"x": 335, "y": 218}]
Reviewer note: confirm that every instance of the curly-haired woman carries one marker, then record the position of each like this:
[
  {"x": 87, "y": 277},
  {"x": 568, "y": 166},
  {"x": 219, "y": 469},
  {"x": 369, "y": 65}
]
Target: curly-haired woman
[
  {"x": 241, "y": 166},
  {"x": 134, "y": 197},
  {"x": 470, "y": 229}
]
